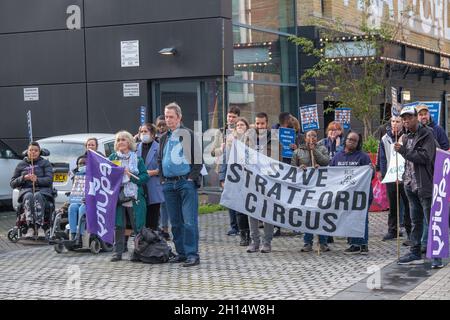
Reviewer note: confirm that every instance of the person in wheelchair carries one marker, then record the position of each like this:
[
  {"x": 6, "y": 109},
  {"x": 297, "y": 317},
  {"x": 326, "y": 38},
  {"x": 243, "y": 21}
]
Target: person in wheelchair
[
  {"x": 33, "y": 177},
  {"x": 77, "y": 207}
]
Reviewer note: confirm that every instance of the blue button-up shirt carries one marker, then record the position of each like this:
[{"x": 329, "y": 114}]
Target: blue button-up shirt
[{"x": 174, "y": 162}]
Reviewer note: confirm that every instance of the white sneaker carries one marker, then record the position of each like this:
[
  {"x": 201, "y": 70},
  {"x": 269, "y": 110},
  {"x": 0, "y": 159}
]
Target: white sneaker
[
  {"x": 30, "y": 233},
  {"x": 41, "y": 233}
]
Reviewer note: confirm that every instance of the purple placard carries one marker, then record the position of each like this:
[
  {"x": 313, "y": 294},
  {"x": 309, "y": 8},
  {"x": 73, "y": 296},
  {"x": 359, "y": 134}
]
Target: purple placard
[
  {"x": 103, "y": 180},
  {"x": 437, "y": 245}
]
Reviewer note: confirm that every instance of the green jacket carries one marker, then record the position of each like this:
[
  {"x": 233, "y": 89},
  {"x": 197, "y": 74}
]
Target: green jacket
[{"x": 139, "y": 206}]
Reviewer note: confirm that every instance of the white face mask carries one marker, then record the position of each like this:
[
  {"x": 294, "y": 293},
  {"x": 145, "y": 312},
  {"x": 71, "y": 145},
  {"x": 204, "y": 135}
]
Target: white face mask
[{"x": 146, "y": 138}]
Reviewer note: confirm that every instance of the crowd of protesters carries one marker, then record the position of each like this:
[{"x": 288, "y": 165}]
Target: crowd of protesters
[{"x": 161, "y": 178}]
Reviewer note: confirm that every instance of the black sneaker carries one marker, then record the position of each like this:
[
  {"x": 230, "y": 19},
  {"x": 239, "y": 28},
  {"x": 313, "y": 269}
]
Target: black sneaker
[
  {"x": 353, "y": 249},
  {"x": 364, "y": 250},
  {"x": 389, "y": 236},
  {"x": 410, "y": 258}
]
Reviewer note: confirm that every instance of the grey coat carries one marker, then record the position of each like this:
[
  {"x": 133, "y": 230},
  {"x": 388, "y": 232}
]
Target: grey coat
[{"x": 302, "y": 156}]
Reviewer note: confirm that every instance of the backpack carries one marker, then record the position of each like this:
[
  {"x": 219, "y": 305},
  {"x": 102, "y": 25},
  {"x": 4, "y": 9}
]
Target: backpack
[{"x": 150, "y": 247}]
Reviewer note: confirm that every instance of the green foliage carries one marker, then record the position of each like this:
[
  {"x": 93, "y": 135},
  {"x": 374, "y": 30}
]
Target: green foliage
[
  {"x": 210, "y": 208},
  {"x": 352, "y": 82},
  {"x": 370, "y": 145}
]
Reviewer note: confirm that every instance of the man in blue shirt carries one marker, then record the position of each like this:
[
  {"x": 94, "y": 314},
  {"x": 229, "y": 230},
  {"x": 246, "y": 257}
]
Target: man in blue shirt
[{"x": 180, "y": 163}]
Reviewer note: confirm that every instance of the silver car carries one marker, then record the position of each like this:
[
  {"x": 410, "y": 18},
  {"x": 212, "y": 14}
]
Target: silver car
[
  {"x": 64, "y": 151},
  {"x": 8, "y": 163}
]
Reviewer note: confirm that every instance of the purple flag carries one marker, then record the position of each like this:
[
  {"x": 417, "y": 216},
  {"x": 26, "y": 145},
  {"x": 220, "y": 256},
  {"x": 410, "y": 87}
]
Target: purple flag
[
  {"x": 437, "y": 246},
  {"x": 103, "y": 179}
]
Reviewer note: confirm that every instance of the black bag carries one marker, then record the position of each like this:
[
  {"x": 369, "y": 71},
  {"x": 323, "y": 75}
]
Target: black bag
[
  {"x": 150, "y": 247},
  {"x": 122, "y": 198}
]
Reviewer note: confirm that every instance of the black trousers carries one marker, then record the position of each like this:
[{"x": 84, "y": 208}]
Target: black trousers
[
  {"x": 152, "y": 219},
  {"x": 392, "y": 219},
  {"x": 242, "y": 221}
]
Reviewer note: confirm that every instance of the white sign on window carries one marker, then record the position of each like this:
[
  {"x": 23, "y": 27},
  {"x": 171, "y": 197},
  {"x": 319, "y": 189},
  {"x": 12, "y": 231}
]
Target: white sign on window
[
  {"x": 31, "y": 94},
  {"x": 129, "y": 52},
  {"x": 131, "y": 89}
]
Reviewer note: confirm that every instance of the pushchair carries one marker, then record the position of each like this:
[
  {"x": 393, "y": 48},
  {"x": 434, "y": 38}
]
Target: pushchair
[
  {"x": 61, "y": 238},
  {"x": 17, "y": 232}
]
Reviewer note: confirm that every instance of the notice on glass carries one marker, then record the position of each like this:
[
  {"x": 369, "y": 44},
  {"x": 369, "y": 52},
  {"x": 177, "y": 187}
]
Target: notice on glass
[
  {"x": 31, "y": 94},
  {"x": 131, "y": 89},
  {"x": 129, "y": 52}
]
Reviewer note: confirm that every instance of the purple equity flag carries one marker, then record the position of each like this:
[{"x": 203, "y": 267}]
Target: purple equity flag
[
  {"x": 437, "y": 245},
  {"x": 103, "y": 180}
]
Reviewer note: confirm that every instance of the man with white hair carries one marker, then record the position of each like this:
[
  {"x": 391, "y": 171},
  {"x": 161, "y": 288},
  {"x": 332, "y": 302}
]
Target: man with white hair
[{"x": 180, "y": 176}]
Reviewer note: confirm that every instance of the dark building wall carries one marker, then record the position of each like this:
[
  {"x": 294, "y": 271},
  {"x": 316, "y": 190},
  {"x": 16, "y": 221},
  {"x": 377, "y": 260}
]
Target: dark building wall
[
  {"x": 115, "y": 12},
  {"x": 42, "y": 58},
  {"x": 197, "y": 42},
  {"x": 80, "y": 86},
  {"x": 34, "y": 15},
  {"x": 60, "y": 109},
  {"x": 110, "y": 111}
]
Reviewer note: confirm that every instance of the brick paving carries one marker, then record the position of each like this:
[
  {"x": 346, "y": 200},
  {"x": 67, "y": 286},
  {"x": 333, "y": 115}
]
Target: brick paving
[
  {"x": 437, "y": 287},
  {"x": 226, "y": 270}
]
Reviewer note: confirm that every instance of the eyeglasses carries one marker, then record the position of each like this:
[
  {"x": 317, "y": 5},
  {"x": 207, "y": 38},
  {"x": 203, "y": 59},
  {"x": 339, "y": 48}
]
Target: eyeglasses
[{"x": 351, "y": 139}]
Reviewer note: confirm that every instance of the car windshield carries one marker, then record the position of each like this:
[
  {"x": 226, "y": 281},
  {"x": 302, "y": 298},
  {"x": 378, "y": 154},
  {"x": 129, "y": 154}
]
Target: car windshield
[{"x": 63, "y": 152}]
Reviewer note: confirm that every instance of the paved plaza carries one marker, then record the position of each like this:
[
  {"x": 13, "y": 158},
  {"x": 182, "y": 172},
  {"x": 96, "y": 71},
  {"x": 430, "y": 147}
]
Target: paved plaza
[{"x": 226, "y": 271}]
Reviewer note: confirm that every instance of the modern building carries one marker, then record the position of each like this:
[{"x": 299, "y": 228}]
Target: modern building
[{"x": 89, "y": 65}]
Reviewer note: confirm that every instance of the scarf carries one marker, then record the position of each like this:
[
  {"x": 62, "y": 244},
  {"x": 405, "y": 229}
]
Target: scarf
[{"x": 130, "y": 161}]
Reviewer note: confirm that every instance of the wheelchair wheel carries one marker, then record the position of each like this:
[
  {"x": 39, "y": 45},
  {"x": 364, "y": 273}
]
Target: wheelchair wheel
[
  {"x": 13, "y": 236},
  {"x": 106, "y": 247},
  {"x": 95, "y": 246},
  {"x": 59, "y": 247}
]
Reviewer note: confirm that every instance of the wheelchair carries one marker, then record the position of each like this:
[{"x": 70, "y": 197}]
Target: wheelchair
[
  {"x": 21, "y": 227},
  {"x": 62, "y": 240}
]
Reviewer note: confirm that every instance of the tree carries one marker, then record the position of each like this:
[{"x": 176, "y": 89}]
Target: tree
[{"x": 349, "y": 65}]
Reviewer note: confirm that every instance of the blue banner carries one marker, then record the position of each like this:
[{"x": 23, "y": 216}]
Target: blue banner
[
  {"x": 309, "y": 117},
  {"x": 143, "y": 115},
  {"x": 287, "y": 137},
  {"x": 343, "y": 116}
]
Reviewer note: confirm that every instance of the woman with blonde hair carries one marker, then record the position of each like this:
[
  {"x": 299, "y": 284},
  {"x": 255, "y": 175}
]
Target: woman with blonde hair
[
  {"x": 131, "y": 206},
  {"x": 334, "y": 139}
]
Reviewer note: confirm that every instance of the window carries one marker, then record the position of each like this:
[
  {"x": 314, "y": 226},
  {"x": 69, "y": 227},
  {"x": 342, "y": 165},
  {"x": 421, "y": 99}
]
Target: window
[
  {"x": 270, "y": 14},
  {"x": 109, "y": 148}
]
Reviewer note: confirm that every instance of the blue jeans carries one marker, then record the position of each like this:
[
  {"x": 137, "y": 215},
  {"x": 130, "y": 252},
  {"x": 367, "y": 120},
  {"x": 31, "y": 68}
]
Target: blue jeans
[
  {"x": 420, "y": 209},
  {"x": 365, "y": 240},
  {"x": 233, "y": 220},
  {"x": 76, "y": 211},
  {"x": 424, "y": 239},
  {"x": 163, "y": 216},
  {"x": 182, "y": 203},
  {"x": 308, "y": 238}
]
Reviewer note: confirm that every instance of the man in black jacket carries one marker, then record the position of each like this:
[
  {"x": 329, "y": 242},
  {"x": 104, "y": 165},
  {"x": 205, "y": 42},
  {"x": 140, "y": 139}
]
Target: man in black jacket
[
  {"x": 418, "y": 147},
  {"x": 180, "y": 164}
]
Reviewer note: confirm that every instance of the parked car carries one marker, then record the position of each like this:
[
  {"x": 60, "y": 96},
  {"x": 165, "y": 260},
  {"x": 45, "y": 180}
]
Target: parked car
[
  {"x": 64, "y": 150},
  {"x": 8, "y": 162}
]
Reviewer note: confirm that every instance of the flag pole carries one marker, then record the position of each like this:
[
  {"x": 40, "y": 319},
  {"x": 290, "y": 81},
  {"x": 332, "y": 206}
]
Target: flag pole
[
  {"x": 223, "y": 82},
  {"x": 398, "y": 200},
  {"x": 313, "y": 165}
]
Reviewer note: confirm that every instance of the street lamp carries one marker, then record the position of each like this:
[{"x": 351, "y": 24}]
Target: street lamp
[{"x": 168, "y": 51}]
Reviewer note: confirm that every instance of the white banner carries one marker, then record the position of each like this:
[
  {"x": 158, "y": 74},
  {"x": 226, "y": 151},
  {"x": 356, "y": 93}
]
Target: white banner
[
  {"x": 329, "y": 200},
  {"x": 391, "y": 173}
]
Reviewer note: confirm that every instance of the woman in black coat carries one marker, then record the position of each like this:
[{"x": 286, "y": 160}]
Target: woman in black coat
[{"x": 33, "y": 176}]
